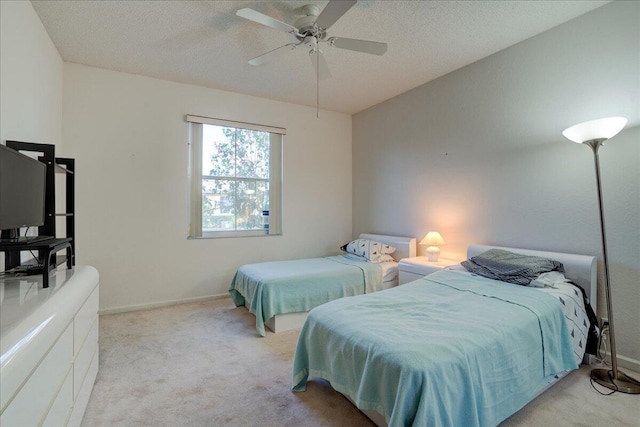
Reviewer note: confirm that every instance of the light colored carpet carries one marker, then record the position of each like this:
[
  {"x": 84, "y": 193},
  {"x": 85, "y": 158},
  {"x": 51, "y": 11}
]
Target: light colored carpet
[{"x": 203, "y": 364}]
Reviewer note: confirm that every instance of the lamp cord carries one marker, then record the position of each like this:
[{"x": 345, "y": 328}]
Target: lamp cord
[
  {"x": 602, "y": 359},
  {"x": 602, "y": 344},
  {"x": 31, "y": 251},
  {"x": 610, "y": 372}
]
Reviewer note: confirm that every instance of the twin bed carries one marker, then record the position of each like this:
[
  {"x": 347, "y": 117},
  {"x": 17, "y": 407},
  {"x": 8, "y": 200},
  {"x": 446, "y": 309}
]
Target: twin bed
[
  {"x": 452, "y": 348},
  {"x": 281, "y": 293}
]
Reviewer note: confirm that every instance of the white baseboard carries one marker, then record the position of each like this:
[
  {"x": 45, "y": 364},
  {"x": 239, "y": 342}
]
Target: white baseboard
[
  {"x": 625, "y": 362},
  {"x": 161, "y": 304},
  {"x": 629, "y": 363}
]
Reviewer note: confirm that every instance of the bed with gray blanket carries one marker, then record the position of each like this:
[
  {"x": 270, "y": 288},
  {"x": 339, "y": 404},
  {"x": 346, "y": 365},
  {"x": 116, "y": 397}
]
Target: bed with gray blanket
[{"x": 453, "y": 348}]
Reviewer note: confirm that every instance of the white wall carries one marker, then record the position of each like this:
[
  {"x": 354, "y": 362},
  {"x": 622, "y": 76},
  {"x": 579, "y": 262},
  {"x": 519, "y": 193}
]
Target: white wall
[
  {"x": 30, "y": 77},
  {"x": 129, "y": 138},
  {"x": 30, "y": 80},
  {"x": 479, "y": 156}
]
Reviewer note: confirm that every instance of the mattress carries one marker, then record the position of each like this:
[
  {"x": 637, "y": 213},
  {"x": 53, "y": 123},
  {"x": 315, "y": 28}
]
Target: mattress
[
  {"x": 447, "y": 349},
  {"x": 389, "y": 271}
]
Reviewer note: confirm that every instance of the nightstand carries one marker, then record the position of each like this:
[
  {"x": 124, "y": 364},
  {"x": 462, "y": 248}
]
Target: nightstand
[{"x": 411, "y": 269}]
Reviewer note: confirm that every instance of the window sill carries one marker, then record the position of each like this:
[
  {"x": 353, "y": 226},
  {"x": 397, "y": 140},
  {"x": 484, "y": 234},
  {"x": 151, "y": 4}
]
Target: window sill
[{"x": 228, "y": 234}]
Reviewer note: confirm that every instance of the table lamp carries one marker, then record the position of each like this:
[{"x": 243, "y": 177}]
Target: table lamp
[{"x": 433, "y": 239}]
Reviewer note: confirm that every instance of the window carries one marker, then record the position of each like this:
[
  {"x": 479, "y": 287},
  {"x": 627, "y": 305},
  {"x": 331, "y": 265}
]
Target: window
[{"x": 235, "y": 178}]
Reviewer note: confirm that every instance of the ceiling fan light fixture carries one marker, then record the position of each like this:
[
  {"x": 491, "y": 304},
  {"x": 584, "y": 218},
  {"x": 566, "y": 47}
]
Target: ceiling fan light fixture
[{"x": 311, "y": 42}]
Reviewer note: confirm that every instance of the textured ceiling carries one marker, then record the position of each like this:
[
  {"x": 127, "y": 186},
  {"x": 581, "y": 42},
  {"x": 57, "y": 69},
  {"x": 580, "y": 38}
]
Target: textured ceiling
[{"x": 205, "y": 43}]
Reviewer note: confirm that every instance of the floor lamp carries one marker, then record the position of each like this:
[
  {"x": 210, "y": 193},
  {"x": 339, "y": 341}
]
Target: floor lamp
[{"x": 593, "y": 134}]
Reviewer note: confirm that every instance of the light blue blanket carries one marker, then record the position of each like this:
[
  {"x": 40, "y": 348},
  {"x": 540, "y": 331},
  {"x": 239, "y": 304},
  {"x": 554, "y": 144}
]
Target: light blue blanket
[
  {"x": 281, "y": 287},
  {"x": 447, "y": 350}
]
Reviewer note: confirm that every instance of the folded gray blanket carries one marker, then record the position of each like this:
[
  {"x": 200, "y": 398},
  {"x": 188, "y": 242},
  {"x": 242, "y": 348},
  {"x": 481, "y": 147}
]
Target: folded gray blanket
[{"x": 510, "y": 267}]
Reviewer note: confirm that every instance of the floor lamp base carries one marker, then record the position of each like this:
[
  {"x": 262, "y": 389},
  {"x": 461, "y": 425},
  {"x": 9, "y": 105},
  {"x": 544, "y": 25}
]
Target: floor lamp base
[{"x": 624, "y": 383}]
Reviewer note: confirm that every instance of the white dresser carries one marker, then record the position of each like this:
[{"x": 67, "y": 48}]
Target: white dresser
[{"x": 49, "y": 347}]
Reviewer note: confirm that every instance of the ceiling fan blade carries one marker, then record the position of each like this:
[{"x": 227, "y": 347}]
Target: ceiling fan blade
[
  {"x": 265, "y": 57},
  {"x": 333, "y": 11},
  {"x": 322, "y": 68},
  {"x": 365, "y": 46},
  {"x": 263, "y": 19}
]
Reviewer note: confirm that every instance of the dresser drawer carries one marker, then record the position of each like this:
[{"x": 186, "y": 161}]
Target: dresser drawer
[
  {"x": 40, "y": 390},
  {"x": 59, "y": 412},
  {"x": 84, "y": 357},
  {"x": 82, "y": 398},
  {"x": 84, "y": 319}
]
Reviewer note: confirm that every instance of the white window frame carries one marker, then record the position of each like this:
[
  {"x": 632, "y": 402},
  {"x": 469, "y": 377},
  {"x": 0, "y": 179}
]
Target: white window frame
[{"x": 195, "y": 178}]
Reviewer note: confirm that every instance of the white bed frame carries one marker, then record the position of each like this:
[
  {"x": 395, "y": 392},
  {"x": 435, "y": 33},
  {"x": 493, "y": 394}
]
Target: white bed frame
[
  {"x": 581, "y": 269},
  {"x": 405, "y": 247}
]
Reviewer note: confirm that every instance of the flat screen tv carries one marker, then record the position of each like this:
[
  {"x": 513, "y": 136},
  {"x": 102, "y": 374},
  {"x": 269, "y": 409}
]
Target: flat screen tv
[{"x": 22, "y": 190}]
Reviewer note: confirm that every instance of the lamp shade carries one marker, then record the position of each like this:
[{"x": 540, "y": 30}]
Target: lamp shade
[
  {"x": 433, "y": 238},
  {"x": 595, "y": 129}
]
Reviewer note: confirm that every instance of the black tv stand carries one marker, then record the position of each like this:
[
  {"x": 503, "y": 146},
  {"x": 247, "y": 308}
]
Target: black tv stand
[
  {"x": 48, "y": 250},
  {"x": 24, "y": 239},
  {"x": 50, "y": 239}
]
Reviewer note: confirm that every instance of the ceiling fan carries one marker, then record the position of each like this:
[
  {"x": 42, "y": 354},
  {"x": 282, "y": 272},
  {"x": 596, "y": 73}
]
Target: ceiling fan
[{"x": 311, "y": 31}]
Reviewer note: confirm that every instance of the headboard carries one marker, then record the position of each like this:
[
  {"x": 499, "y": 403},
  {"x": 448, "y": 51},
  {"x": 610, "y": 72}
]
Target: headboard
[
  {"x": 580, "y": 269},
  {"x": 405, "y": 246}
]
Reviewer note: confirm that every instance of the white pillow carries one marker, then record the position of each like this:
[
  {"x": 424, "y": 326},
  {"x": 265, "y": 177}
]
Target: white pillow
[
  {"x": 370, "y": 249},
  {"x": 550, "y": 278}
]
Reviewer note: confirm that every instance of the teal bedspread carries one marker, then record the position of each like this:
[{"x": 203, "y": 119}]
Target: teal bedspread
[
  {"x": 282, "y": 287},
  {"x": 449, "y": 349}
]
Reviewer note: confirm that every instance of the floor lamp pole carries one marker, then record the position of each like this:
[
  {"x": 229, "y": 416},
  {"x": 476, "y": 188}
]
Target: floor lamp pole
[{"x": 612, "y": 379}]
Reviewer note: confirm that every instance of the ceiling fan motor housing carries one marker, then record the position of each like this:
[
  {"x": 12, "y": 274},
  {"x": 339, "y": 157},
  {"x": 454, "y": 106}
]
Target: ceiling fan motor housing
[
  {"x": 311, "y": 10},
  {"x": 307, "y": 27}
]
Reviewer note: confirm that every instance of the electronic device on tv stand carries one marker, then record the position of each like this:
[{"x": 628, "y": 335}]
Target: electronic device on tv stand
[
  {"x": 22, "y": 190},
  {"x": 22, "y": 196}
]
